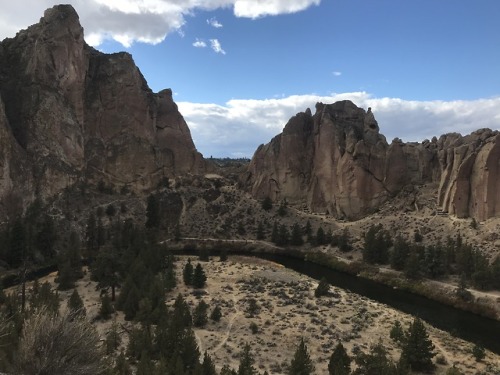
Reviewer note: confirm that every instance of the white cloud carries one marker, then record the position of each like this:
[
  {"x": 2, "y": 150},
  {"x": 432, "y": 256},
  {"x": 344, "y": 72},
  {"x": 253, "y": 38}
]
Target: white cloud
[
  {"x": 129, "y": 21},
  {"x": 216, "y": 46},
  {"x": 255, "y": 9},
  {"x": 214, "y": 23},
  {"x": 337, "y": 74},
  {"x": 240, "y": 126},
  {"x": 199, "y": 43}
]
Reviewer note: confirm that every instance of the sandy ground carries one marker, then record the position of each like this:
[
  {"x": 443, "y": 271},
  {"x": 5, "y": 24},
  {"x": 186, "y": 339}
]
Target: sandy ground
[{"x": 288, "y": 311}]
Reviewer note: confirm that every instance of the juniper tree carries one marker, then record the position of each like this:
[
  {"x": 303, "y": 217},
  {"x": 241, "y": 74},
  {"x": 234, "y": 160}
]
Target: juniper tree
[
  {"x": 199, "y": 277},
  {"x": 187, "y": 274},
  {"x": 418, "y": 348},
  {"x": 301, "y": 363},
  {"x": 340, "y": 362}
]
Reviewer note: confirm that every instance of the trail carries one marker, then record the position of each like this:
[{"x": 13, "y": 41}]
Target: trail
[{"x": 229, "y": 326}]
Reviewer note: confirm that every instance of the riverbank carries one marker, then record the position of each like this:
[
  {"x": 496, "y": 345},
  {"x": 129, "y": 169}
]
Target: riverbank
[{"x": 481, "y": 303}]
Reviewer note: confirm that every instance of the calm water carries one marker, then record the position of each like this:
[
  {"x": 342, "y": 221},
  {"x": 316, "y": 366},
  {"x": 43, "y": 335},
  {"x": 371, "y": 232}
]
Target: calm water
[{"x": 468, "y": 326}]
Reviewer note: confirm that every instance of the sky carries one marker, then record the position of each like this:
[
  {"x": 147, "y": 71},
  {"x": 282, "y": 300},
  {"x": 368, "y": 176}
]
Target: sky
[{"x": 239, "y": 69}]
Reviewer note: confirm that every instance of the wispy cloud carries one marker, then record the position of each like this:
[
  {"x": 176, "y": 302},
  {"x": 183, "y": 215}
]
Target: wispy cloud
[
  {"x": 240, "y": 126},
  {"x": 337, "y": 74},
  {"x": 198, "y": 43},
  {"x": 130, "y": 21},
  {"x": 216, "y": 46},
  {"x": 214, "y": 23}
]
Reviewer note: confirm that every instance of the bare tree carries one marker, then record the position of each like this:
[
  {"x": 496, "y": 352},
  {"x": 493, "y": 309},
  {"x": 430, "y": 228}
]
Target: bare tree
[{"x": 65, "y": 344}]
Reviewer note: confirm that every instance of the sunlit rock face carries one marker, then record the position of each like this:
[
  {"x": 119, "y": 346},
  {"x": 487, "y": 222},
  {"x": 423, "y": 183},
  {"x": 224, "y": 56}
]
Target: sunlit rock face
[
  {"x": 336, "y": 161},
  {"x": 70, "y": 113}
]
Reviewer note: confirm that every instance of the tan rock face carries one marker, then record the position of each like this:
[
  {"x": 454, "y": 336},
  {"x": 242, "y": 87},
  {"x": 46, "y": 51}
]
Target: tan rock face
[
  {"x": 337, "y": 162},
  {"x": 76, "y": 113}
]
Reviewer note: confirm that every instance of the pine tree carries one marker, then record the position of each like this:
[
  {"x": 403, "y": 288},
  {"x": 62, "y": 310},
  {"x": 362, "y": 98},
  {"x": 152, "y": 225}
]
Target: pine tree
[
  {"x": 418, "y": 348},
  {"x": 296, "y": 238},
  {"x": 199, "y": 277},
  {"x": 208, "y": 367},
  {"x": 301, "y": 363},
  {"x": 75, "y": 304},
  {"x": 267, "y": 204},
  {"x": 320, "y": 237},
  {"x": 478, "y": 353},
  {"x": 397, "y": 333},
  {"x": 113, "y": 339},
  {"x": 246, "y": 362},
  {"x": 200, "y": 314},
  {"x": 322, "y": 289},
  {"x": 340, "y": 362},
  {"x": 187, "y": 274},
  {"x": 170, "y": 280},
  {"x": 216, "y": 314},
  {"x": 106, "y": 308},
  {"x": 376, "y": 362}
]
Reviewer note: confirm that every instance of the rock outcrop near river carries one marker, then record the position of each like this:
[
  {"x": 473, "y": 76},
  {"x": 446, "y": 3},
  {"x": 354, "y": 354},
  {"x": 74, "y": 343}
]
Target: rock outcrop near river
[
  {"x": 69, "y": 114},
  {"x": 336, "y": 161}
]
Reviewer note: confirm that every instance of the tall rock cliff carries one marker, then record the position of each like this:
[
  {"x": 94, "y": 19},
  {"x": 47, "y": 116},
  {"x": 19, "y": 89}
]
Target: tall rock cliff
[
  {"x": 336, "y": 161},
  {"x": 70, "y": 113}
]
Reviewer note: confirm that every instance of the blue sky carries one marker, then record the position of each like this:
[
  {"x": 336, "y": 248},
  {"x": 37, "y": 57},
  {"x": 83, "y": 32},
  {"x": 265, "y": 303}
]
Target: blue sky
[{"x": 425, "y": 67}]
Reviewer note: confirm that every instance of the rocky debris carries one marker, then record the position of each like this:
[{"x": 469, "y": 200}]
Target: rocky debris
[
  {"x": 337, "y": 162},
  {"x": 70, "y": 113}
]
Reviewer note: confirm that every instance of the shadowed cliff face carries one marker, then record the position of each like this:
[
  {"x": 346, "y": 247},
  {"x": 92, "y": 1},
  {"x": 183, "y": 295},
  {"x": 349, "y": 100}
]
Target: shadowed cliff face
[
  {"x": 336, "y": 161},
  {"x": 70, "y": 113}
]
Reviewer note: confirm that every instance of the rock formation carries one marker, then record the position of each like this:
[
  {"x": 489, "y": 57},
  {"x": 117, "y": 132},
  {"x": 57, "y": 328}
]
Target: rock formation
[
  {"x": 336, "y": 161},
  {"x": 69, "y": 113}
]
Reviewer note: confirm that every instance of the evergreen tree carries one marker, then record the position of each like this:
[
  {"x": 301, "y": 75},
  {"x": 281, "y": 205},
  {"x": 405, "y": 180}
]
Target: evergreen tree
[
  {"x": 340, "y": 362},
  {"x": 200, "y": 314},
  {"x": 399, "y": 254},
  {"x": 320, "y": 237},
  {"x": 246, "y": 362},
  {"x": 344, "y": 241},
  {"x": 187, "y": 274},
  {"x": 478, "y": 353},
  {"x": 397, "y": 333},
  {"x": 267, "y": 204},
  {"x": 418, "y": 348},
  {"x": 322, "y": 289},
  {"x": 170, "y": 280},
  {"x": 65, "y": 277},
  {"x": 199, "y": 277},
  {"x": 283, "y": 235},
  {"x": 106, "y": 308},
  {"x": 113, "y": 339},
  {"x": 46, "y": 238},
  {"x": 296, "y": 238},
  {"x": 75, "y": 304},
  {"x": 216, "y": 314},
  {"x": 106, "y": 269},
  {"x": 376, "y": 362},
  {"x": 223, "y": 255},
  {"x": 308, "y": 229},
  {"x": 208, "y": 367},
  {"x": 412, "y": 266},
  {"x": 301, "y": 363}
]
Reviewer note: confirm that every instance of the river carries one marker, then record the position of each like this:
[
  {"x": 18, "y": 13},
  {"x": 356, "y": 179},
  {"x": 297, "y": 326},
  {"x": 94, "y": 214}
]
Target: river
[{"x": 468, "y": 326}]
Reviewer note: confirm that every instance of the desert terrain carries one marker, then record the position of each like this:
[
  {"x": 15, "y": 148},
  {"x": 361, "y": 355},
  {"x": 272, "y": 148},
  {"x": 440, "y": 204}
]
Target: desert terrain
[{"x": 287, "y": 311}]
